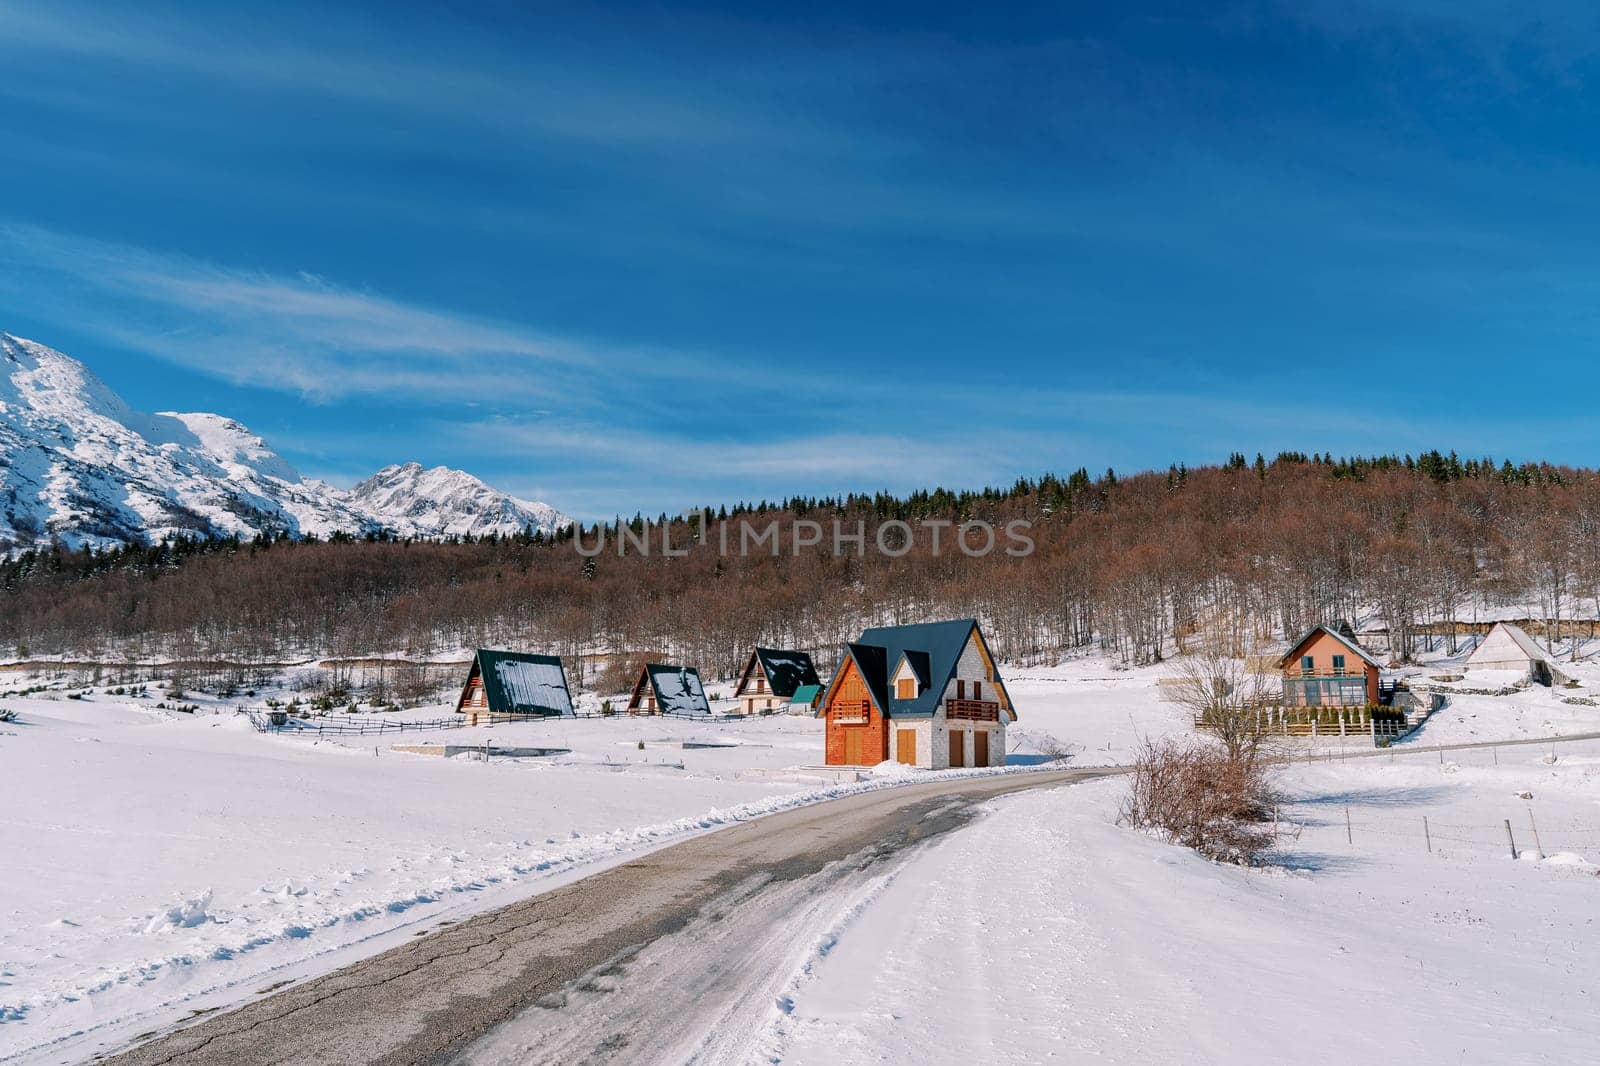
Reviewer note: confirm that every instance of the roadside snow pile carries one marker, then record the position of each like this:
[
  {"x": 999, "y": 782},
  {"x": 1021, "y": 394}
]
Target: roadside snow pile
[
  {"x": 891, "y": 770},
  {"x": 185, "y": 915}
]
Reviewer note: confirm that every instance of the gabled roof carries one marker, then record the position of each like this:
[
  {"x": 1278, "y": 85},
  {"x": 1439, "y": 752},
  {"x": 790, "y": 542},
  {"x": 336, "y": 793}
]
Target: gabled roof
[
  {"x": 934, "y": 651},
  {"x": 873, "y": 663},
  {"x": 1294, "y": 649},
  {"x": 918, "y": 661},
  {"x": 520, "y": 683},
  {"x": 787, "y": 670},
  {"x": 1519, "y": 636},
  {"x": 678, "y": 689},
  {"x": 1525, "y": 642}
]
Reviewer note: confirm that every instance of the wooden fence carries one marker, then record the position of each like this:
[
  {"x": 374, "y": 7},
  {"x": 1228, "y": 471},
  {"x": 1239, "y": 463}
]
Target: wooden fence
[
  {"x": 1372, "y": 722},
  {"x": 350, "y": 725}
]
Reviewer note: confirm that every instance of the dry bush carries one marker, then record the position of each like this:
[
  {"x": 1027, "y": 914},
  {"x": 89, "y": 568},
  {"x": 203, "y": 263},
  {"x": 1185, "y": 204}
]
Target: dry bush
[
  {"x": 620, "y": 672},
  {"x": 1194, "y": 793}
]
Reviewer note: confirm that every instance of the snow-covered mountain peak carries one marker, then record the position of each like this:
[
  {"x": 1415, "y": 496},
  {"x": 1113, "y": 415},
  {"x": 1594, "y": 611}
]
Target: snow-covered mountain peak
[
  {"x": 53, "y": 383},
  {"x": 233, "y": 444},
  {"x": 446, "y": 502},
  {"x": 78, "y": 464}
]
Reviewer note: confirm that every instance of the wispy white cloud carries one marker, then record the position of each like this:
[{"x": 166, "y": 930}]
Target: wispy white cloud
[
  {"x": 591, "y": 468},
  {"x": 355, "y": 61},
  {"x": 299, "y": 333}
]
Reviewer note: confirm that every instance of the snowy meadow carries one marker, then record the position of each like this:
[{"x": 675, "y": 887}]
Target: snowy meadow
[{"x": 162, "y": 863}]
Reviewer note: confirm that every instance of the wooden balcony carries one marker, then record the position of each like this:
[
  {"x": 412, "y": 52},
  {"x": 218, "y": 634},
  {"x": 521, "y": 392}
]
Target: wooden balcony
[
  {"x": 845, "y": 714},
  {"x": 972, "y": 710}
]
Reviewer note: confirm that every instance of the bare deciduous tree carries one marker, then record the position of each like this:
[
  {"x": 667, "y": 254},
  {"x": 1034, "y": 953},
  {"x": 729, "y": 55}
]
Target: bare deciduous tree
[{"x": 1225, "y": 695}]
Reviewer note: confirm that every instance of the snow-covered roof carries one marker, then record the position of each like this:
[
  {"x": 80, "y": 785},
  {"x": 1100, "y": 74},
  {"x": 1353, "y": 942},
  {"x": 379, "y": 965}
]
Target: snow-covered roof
[
  {"x": 517, "y": 683},
  {"x": 1521, "y": 638},
  {"x": 786, "y": 670},
  {"x": 678, "y": 689}
]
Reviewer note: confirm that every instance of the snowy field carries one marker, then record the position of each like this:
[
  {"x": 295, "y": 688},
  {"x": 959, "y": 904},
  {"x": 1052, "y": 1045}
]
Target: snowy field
[
  {"x": 1045, "y": 933},
  {"x": 160, "y": 863}
]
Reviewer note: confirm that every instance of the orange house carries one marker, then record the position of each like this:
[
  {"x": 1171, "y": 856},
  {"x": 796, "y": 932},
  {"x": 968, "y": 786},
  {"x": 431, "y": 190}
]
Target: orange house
[
  {"x": 926, "y": 695},
  {"x": 1325, "y": 668}
]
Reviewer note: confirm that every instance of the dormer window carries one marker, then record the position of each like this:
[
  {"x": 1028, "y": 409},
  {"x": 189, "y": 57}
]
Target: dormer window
[{"x": 906, "y": 688}]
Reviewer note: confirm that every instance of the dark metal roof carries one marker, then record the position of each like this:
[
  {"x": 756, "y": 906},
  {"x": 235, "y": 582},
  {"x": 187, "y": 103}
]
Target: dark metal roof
[
  {"x": 523, "y": 683},
  {"x": 920, "y": 666},
  {"x": 940, "y": 645},
  {"x": 678, "y": 689},
  {"x": 934, "y": 651},
  {"x": 873, "y": 662},
  {"x": 787, "y": 670}
]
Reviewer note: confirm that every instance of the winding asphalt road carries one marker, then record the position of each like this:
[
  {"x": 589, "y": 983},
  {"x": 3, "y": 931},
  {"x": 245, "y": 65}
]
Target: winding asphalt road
[{"x": 636, "y": 964}]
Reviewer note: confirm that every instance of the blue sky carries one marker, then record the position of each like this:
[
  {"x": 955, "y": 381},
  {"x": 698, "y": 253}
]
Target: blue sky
[{"x": 649, "y": 256}]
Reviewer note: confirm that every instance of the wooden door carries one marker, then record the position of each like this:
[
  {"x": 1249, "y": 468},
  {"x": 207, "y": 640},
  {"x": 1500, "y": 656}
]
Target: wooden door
[
  {"x": 958, "y": 748},
  {"x": 905, "y": 746},
  {"x": 852, "y": 746},
  {"x": 980, "y": 747}
]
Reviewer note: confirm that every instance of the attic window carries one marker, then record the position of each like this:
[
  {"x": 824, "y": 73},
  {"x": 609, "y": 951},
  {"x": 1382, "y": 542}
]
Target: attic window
[{"x": 906, "y": 688}]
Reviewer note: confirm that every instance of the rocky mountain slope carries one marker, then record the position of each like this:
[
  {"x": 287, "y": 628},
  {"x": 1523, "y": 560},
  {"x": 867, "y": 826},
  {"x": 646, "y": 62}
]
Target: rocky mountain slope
[{"x": 80, "y": 465}]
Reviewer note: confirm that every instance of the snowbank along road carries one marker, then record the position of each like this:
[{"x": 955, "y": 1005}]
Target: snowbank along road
[{"x": 658, "y": 960}]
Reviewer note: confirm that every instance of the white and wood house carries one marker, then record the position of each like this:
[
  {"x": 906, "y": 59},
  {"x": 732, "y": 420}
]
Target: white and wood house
[
  {"x": 503, "y": 684},
  {"x": 674, "y": 690},
  {"x": 771, "y": 678},
  {"x": 925, "y": 695},
  {"x": 1509, "y": 648}
]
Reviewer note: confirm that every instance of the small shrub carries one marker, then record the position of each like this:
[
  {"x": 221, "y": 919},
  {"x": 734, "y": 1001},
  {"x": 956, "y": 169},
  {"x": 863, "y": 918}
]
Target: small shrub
[
  {"x": 1197, "y": 795},
  {"x": 607, "y": 709},
  {"x": 7, "y": 714}
]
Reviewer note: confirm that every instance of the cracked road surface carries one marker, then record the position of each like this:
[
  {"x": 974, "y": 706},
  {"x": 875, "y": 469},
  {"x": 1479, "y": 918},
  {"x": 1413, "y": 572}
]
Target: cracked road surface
[{"x": 659, "y": 959}]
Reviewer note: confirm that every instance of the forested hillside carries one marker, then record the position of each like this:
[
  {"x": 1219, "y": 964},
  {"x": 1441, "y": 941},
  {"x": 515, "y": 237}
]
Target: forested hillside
[{"x": 1136, "y": 563}]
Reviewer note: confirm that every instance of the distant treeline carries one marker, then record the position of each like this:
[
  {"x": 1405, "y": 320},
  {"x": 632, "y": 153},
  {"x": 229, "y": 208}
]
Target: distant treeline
[{"x": 1139, "y": 564}]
